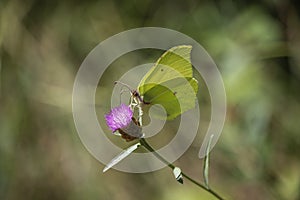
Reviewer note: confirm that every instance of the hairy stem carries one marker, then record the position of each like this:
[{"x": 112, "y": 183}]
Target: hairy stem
[{"x": 149, "y": 148}]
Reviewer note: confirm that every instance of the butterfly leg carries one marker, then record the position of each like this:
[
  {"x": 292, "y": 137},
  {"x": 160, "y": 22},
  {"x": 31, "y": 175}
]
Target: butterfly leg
[{"x": 140, "y": 116}]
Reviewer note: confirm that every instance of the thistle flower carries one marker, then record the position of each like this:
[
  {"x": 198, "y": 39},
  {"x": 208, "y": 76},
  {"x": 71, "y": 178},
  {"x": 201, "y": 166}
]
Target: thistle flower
[{"x": 121, "y": 119}]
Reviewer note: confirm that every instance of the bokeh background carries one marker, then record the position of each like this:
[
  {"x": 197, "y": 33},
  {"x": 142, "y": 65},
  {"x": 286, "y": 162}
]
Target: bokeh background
[{"x": 256, "y": 45}]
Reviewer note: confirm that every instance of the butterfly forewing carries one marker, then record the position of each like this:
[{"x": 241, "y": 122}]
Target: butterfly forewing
[
  {"x": 172, "y": 64},
  {"x": 170, "y": 82}
]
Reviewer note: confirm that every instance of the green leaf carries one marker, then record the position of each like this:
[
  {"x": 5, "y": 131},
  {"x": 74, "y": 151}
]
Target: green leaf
[
  {"x": 206, "y": 163},
  {"x": 121, "y": 156}
]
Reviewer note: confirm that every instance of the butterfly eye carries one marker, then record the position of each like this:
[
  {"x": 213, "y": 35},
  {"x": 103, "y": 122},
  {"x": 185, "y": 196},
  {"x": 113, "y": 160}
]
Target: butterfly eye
[{"x": 135, "y": 93}]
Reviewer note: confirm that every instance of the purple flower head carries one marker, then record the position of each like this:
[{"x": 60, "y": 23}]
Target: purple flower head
[{"x": 119, "y": 117}]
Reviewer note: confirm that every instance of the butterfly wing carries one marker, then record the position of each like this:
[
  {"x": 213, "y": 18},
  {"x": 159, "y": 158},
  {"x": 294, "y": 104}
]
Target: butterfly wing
[
  {"x": 176, "y": 96},
  {"x": 170, "y": 82},
  {"x": 172, "y": 64}
]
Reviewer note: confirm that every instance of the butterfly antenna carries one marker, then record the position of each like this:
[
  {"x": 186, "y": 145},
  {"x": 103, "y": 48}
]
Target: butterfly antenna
[
  {"x": 125, "y": 85},
  {"x": 123, "y": 91},
  {"x": 133, "y": 91}
]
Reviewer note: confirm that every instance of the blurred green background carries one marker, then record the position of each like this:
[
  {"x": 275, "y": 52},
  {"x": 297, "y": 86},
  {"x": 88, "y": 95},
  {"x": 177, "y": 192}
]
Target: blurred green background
[{"x": 256, "y": 45}]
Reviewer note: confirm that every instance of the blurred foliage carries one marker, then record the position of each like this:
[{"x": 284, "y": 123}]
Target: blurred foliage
[{"x": 256, "y": 45}]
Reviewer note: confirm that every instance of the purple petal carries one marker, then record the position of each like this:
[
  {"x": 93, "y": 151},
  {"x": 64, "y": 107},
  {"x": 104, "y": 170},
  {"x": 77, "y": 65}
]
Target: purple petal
[{"x": 119, "y": 117}]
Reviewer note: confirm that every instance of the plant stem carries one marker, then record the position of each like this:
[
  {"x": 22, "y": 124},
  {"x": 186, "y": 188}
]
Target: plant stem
[{"x": 149, "y": 148}]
